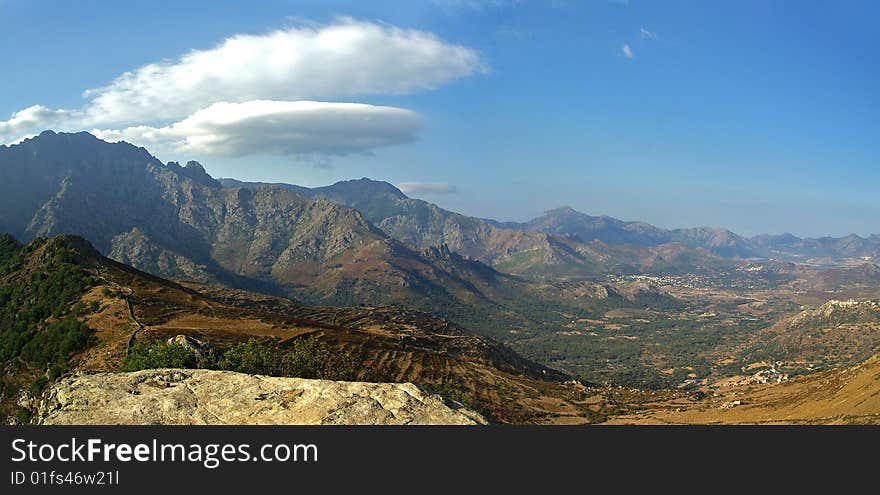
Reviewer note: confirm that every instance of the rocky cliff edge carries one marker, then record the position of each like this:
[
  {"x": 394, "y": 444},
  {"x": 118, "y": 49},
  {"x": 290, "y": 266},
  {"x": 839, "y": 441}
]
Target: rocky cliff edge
[{"x": 195, "y": 397}]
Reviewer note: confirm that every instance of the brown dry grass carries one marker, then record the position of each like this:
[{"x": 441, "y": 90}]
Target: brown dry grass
[
  {"x": 843, "y": 396},
  {"x": 113, "y": 326}
]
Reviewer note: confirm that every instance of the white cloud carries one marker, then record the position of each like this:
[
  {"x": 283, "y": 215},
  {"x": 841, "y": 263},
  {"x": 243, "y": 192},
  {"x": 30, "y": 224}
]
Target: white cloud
[
  {"x": 343, "y": 59},
  {"x": 627, "y": 51},
  {"x": 32, "y": 117},
  {"x": 247, "y": 94},
  {"x": 647, "y": 34},
  {"x": 427, "y": 187},
  {"x": 278, "y": 127}
]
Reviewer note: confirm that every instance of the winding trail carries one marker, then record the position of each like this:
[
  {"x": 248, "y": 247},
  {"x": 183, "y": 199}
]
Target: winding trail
[{"x": 135, "y": 320}]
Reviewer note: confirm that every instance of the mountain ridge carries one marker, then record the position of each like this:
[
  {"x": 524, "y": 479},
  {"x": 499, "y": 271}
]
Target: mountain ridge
[
  {"x": 527, "y": 252},
  {"x": 404, "y": 218}
]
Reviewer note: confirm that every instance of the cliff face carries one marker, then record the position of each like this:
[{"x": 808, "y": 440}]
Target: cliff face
[{"x": 189, "y": 397}]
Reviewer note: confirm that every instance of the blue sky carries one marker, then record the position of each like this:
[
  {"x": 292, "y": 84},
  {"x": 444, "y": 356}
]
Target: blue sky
[{"x": 758, "y": 116}]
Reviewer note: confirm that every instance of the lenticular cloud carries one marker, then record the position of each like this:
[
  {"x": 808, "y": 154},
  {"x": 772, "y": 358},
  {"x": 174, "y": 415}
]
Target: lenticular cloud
[
  {"x": 279, "y": 127},
  {"x": 253, "y": 93}
]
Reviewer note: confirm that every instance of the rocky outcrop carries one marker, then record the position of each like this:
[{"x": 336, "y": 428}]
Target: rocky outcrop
[
  {"x": 836, "y": 312},
  {"x": 836, "y": 334},
  {"x": 189, "y": 397}
]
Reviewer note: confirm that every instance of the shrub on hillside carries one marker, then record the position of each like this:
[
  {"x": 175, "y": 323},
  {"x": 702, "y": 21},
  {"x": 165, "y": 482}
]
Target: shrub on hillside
[
  {"x": 57, "y": 342},
  {"x": 306, "y": 358},
  {"x": 159, "y": 354},
  {"x": 311, "y": 358},
  {"x": 253, "y": 357}
]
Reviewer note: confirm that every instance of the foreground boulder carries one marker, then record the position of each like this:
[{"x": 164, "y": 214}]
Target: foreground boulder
[{"x": 191, "y": 397}]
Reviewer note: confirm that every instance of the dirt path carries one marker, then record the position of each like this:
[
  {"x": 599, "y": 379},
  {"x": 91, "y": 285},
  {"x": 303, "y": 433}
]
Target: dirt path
[{"x": 131, "y": 339}]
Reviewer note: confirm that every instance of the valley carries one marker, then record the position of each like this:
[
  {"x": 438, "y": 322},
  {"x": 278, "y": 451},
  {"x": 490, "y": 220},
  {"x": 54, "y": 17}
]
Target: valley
[{"x": 568, "y": 318}]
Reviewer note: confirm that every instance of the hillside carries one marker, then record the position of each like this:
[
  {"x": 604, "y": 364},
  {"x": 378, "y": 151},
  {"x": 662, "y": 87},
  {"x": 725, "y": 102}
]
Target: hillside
[
  {"x": 122, "y": 312},
  {"x": 89, "y": 314},
  {"x": 841, "y": 396},
  {"x": 837, "y": 333},
  {"x": 41, "y": 312}
]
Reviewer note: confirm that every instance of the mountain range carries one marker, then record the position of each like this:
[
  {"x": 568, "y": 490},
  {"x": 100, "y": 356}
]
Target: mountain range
[
  {"x": 355, "y": 242},
  {"x": 177, "y": 222},
  {"x": 555, "y": 244},
  {"x": 421, "y": 223}
]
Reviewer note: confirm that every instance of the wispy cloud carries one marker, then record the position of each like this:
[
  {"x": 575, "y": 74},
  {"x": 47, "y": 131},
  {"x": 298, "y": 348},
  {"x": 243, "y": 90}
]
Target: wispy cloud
[
  {"x": 627, "y": 51},
  {"x": 646, "y": 34},
  {"x": 427, "y": 187}
]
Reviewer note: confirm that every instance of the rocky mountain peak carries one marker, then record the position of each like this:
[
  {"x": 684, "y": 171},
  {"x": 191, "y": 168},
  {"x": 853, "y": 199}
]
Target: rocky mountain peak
[
  {"x": 562, "y": 210},
  {"x": 41, "y": 251},
  {"x": 366, "y": 186},
  {"x": 49, "y": 138},
  {"x": 194, "y": 166},
  {"x": 195, "y": 171},
  {"x": 835, "y": 305},
  {"x": 80, "y": 247}
]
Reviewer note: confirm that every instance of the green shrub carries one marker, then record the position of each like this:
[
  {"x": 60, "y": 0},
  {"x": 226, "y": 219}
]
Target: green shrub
[
  {"x": 57, "y": 342},
  {"x": 306, "y": 358},
  {"x": 55, "y": 371},
  {"x": 159, "y": 354},
  {"x": 311, "y": 358},
  {"x": 78, "y": 309},
  {"x": 253, "y": 357},
  {"x": 10, "y": 250},
  {"x": 39, "y": 384},
  {"x": 23, "y": 415},
  {"x": 9, "y": 389}
]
